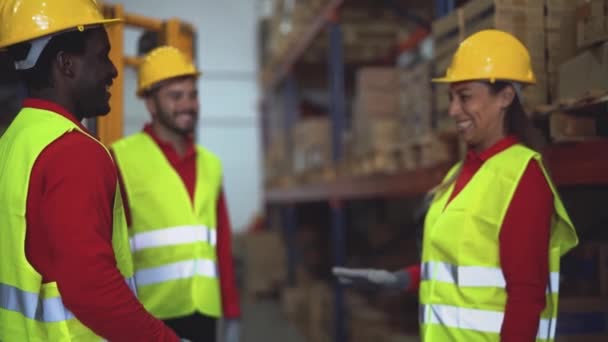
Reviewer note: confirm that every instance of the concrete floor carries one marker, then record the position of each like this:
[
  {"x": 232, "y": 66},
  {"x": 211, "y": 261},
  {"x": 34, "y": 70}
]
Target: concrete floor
[{"x": 263, "y": 322}]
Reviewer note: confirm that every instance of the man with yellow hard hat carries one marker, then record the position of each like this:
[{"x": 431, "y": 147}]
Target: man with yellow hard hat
[
  {"x": 176, "y": 211},
  {"x": 66, "y": 272}
]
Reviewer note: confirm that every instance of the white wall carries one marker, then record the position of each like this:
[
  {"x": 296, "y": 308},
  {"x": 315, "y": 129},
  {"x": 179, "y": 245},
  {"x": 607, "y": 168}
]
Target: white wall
[{"x": 228, "y": 90}]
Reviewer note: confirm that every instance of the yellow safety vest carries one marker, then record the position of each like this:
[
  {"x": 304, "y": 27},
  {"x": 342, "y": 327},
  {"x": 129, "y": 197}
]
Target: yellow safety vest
[
  {"x": 462, "y": 291},
  {"x": 173, "y": 241},
  {"x": 30, "y": 310}
]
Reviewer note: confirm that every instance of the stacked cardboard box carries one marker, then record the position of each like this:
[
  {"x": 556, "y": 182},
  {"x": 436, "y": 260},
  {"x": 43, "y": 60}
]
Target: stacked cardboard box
[
  {"x": 309, "y": 306},
  {"x": 567, "y": 127},
  {"x": 585, "y": 73},
  {"x": 265, "y": 264},
  {"x": 415, "y": 88},
  {"x": 369, "y": 33},
  {"x": 277, "y": 165},
  {"x": 560, "y": 29},
  {"x": 289, "y": 21},
  {"x": 377, "y": 125},
  {"x": 392, "y": 120},
  {"x": 369, "y": 324},
  {"x": 311, "y": 144},
  {"x": 591, "y": 25}
]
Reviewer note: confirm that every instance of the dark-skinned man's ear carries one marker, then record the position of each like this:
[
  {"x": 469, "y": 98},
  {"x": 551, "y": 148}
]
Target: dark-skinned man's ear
[{"x": 66, "y": 64}]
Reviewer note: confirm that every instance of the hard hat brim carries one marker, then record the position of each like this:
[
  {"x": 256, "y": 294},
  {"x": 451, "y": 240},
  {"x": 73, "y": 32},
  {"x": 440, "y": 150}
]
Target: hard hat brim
[
  {"x": 466, "y": 79},
  {"x": 84, "y": 26},
  {"x": 144, "y": 89}
]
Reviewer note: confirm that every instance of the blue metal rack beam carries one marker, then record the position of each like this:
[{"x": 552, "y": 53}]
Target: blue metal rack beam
[
  {"x": 403, "y": 12},
  {"x": 337, "y": 235},
  {"x": 443, "y": 7},
  {"x": 336, "y": 81},
  {"x": 288, "y": 212},
  {"x": 288, "y": 222},
  {"x": 337, "y": 111},
  {"x": 290, "y": 105}
]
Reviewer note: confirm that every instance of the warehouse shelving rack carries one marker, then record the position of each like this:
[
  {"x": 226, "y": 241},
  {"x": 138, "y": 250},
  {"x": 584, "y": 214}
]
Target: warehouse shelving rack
[
  {"x": 336, "y": 193},
  {"x": 571, "y": 164}
]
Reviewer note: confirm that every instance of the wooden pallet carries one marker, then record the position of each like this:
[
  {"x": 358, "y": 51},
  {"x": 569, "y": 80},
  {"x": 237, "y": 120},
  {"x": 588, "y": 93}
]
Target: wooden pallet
[{"x": 579, "y": 119}]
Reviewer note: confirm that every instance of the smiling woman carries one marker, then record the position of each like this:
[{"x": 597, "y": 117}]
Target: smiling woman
[{"x": 496, "y": 227}]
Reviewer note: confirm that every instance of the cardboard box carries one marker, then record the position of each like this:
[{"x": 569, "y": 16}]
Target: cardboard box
[
  {"x": 277, "y": 162},
  {"x": 311, "y": 144},
  {"x": 378, "y": 79},
  {"x": 320, "y": 312},
  {"x": 564, "y": 127},
  {"x": 432, "y": 150},
  {"x": 369, "y": 324},
  {"x": 441, "y": 99},
  {"x": 591, "y": 26},
  {"x": 586, "y": 72},
  {"x": 416, "y": 97},
  {"x": 378, "y": 103},
  {"x": 293, "y": 300},
  {"x": 265, "y": 262},
  {"x": 560, "y": 29},
  {"x": 378, "y": 135}
]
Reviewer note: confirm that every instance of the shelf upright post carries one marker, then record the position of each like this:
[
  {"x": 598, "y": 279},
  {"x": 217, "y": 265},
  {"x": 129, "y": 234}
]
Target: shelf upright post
[
  {"x": 288, "y": 222},
  {"x": 337, "y": 103},
  {"x": 290, "y": 108},
  {"x": 338, "y": 241},
  {"x": 288, "y": 211},
  {"x": 337, "y": 112},
  {"x": 442, "y": 8},
  {"x": 264, "y": 122}
]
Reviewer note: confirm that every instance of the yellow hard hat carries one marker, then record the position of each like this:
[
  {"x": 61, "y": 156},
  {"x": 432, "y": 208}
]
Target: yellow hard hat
[
  {"x": 163, "y": 63},
  {"x": 26, "y": 20},
  {"x": 490, "y": 55}
]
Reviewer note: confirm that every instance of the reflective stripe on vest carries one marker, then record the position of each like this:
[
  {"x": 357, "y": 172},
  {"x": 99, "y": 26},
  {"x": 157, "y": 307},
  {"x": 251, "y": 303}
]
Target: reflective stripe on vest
[
  {"x": 173, "y": 236},
  {"x": 32, "y": 306},
  {"x": 179, "y": 270},
  {"x": 474, "y": 319},
  {"x": 473, "y": 276}
]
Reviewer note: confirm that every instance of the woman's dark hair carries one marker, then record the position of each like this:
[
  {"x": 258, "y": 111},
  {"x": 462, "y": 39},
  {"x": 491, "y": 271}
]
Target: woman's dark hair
[
  {"x": 517, "y": 122},
  {"x": 40, "y": 76}
]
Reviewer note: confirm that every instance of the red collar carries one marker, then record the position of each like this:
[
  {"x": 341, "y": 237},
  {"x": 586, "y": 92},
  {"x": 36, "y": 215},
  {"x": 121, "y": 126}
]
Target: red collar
[
  {"x": 52, "y": 107},
  {"x": 167, "y": 146},
  {"x": 493, "y": 150}
]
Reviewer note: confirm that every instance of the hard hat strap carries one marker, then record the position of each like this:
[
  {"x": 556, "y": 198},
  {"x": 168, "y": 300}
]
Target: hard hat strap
[
  {"x": 518, "y": 90},
  {"x": 36, "y": 48}
]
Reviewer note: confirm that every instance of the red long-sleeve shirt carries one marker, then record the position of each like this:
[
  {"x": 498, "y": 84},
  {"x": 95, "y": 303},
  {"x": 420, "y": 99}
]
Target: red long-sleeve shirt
[
  {"x": 524, "y": 243},
  {"x": 69, "y": 235},
  {"x": 185, "y": 166}
]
